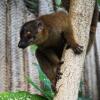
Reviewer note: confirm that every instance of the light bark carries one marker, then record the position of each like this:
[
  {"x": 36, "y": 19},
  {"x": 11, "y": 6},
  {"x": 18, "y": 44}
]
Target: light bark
[
  {"x": 81, "y": 12},
  {"x": 3, "y": 68}
]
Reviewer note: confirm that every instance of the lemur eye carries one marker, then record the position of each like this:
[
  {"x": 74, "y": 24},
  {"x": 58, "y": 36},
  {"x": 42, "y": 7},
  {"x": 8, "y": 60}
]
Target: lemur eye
[{"x": 28, "y": 35}]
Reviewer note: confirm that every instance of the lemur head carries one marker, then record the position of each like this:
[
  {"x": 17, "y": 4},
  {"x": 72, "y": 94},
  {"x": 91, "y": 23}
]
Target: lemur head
[{"x": 32, "y": 32}]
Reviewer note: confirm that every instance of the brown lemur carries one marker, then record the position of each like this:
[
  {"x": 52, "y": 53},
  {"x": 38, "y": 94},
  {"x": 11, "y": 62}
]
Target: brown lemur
[{"x": 50, "y": 32}]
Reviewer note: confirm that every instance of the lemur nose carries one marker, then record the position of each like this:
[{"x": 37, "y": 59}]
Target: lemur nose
[{"x": 22, "y": 45}]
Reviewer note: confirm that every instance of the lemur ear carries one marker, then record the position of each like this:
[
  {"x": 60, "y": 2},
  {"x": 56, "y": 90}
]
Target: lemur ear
[{"x": 40, "y": 25}]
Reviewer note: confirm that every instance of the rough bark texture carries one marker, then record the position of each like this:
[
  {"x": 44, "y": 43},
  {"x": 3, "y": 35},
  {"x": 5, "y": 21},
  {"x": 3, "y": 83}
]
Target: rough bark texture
[
  {"x": 45, "y": 7},
  {"x": 3, "y": 67},
  {"x": 15, "y": 64},
  {"x": 81, "y": 13}
]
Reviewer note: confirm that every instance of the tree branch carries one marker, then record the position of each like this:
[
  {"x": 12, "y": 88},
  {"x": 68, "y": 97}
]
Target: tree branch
[{"x": 81, "y": 12}]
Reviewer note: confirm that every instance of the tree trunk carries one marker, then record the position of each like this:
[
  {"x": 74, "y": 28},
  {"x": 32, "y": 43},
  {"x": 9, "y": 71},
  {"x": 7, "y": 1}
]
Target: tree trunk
[
  {"x": 81, "y": 12},
  {"x": 3, "y": 68}
]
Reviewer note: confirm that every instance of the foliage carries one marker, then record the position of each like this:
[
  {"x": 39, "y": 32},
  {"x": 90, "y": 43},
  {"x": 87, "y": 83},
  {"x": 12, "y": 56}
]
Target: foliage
[
  {"x": 32, "y": 5},
  {"x": 80, "y": 95},
  {"x": 33, "y": 48},
  {"x": 20, "y": 95},
  {"x": 98, "y": 2},
  {"x": 58, "y": 4},
  {"x": 46, "y": 90}
]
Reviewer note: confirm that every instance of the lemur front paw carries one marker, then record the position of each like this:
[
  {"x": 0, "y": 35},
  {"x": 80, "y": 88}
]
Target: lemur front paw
[
  {"x": 58, "y": 74},
  {"x": 61, "y": 62},
  {"x": 78, "y": 49}
]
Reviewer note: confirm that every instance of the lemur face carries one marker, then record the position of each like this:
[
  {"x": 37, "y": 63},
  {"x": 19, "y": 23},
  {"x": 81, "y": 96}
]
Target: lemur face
[{"x": 30, "y": 33}]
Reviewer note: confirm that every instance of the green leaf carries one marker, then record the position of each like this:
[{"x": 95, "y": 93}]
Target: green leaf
[
  {"x": 46, "y": 91},
  {"x": 43, "y": 78},
  {"x": 80, "y": 94},
  {"x": 34, "y": 47},
  {"x": 98, "y": 1},
  {"x": 34, "y": 85},
  {"x": 58, "y": 2},
  {"x": 20, "y": 95},
  {"x": 32, "y": 5},
  {"x": 46, "y": 83}
]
